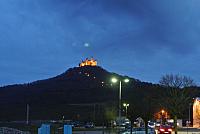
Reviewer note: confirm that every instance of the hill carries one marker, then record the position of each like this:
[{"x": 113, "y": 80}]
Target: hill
[{"x": 80, "y": 93}]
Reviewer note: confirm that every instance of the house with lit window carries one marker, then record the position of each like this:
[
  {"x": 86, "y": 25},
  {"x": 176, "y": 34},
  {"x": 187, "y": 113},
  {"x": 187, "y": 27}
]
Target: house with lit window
[{"x": 196, "y": 113}]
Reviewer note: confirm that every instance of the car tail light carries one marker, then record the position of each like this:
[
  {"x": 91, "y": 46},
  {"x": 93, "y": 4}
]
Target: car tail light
[
  {"x": 170, "y": 129},
  {"x": 162, "y": 130}
]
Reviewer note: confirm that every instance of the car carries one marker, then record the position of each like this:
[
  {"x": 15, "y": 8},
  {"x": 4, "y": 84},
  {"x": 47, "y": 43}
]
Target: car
[
  {"x": 157, "y": 125},
  {"x": 112, "y": 124},
  {"x": 89, "y": 125},
  {"x": 139, "y": 130},
  {"x": 123, "y": 122},
  {"x": 151, "y": 124},
  {"x": 165, "y": 129},
  {"x": 77, "y": 124}
]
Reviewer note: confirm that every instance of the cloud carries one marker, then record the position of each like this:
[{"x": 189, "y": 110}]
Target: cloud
[{"x": 52, "y": 34}]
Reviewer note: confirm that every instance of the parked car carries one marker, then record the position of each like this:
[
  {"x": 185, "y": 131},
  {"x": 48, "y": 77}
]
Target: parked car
[
  {"x": 78, "y": 124},
  {"x": 112, "y": 124},
  {"x": 165, "y": 129},
  {"x": 89, "y": 125},
  {"x": 151, "y": 124},
  {"x": 123, "y": 122},
  {"x": 139, "y": 130},
  {"x": 157, "y": 125}
]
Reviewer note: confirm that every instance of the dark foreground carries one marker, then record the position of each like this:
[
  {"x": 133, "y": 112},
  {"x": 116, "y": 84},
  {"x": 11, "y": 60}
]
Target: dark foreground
[{"x": 58, "y": 129}]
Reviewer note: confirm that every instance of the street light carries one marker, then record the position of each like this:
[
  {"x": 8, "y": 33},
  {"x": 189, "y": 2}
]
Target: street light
[
  {"x": 126, "y": 105},
  {"x": 162, "y": 113},
  {"x": 27, "y": 114},
  {"x": 115, "y": 80},
  {"x": 189, "y": 121}
]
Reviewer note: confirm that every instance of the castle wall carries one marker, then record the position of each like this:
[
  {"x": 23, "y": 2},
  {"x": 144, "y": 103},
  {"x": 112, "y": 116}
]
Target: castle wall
[{"x": 87, "y": 62}]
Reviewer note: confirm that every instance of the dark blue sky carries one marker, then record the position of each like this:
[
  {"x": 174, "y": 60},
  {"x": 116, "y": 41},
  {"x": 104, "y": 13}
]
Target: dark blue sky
[{"x": 144, "y": 39}]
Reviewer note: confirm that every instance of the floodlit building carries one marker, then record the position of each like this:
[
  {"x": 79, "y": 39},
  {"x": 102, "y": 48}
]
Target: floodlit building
[
  {"x": 196, "y": 113},
  {"x": 88, "y": 62}
]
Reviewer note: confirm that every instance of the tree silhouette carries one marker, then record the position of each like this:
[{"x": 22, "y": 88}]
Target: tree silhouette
[
  {"x": 175, "y": 98},
  {"x": 110, "y": 114}
]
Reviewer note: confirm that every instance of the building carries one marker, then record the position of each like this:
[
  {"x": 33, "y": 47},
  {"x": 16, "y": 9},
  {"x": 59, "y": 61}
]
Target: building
[
  {"x": 88, "y": 62},
  {"x": 196, "y": 113}
]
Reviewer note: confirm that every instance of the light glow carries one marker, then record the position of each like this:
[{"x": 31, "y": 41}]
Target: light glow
[
  {"x": 170, "y": 129},
  {"x": 196, "y": 113},
  {"x": 88, "y": 62},
  {"x": 162, "y": 129},
  {"x": 86, "y": 44},
  {"x": 126, "y": 80},
  {"x": 125, "y": 105},
  {"x": 114, "y": 80}
]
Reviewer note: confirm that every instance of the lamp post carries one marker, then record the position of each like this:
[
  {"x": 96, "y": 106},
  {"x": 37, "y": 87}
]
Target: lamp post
[
  {"x": 189, "y": 119},
  {"x": 126, "y": 105},
  {"x": 27, "y": 114},
  {"x": 114, "y": 80},
  {"x": 162, "y": 113}
]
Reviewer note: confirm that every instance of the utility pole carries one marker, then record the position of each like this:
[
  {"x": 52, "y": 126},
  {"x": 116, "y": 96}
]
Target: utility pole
[
  {"x": 94, "y": 114},
  {"x": 120, "y": 99},
  {"x": 189, "y": 119},
  {"x": 27, "y": 114}
]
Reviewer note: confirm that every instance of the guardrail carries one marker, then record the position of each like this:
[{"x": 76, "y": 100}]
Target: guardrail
[{"x": 6, "y": 130}]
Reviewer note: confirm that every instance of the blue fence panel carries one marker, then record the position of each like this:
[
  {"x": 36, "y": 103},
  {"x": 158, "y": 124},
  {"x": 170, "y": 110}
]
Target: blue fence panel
[
  {"x": 44, "y": 129},
  {"x": 67, "y": 129}
]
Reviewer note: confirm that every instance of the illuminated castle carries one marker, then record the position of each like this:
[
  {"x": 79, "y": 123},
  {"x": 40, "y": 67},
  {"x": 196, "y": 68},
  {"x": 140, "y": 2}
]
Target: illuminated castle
[
  {"x": 196, "y": 113},
  {"x": 88, "y": 62}
]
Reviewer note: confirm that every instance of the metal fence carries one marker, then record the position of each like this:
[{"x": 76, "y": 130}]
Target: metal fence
[{"x": 6, "y": 130}]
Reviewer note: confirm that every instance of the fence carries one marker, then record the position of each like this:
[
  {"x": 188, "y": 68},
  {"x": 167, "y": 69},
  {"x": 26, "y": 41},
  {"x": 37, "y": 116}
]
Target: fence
[{"x": 6, "y": 130}]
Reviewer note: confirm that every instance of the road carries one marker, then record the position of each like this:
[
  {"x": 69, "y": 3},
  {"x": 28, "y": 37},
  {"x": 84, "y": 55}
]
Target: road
[{"x": 101, "y": 132}]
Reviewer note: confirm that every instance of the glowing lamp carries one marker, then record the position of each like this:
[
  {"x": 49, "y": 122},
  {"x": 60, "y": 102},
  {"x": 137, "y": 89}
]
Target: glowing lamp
[
  {"x": 114, "y": 80},
  {"x": 126, "y": 80}
]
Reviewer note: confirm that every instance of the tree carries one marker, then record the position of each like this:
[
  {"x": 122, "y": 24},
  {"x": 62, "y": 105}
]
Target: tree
[
  {"x": 143, "y": 107},
  {"x": 110, "y": 114},
  {"x": 176, "y": 98},
  {"x": 148, "y": 113},
  {"x": 176, "y": 81}
]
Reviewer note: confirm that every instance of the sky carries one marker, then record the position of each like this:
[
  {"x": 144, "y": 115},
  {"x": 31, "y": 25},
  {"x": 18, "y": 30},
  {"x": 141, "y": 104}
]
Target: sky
[{"x": 143, "y": 39}]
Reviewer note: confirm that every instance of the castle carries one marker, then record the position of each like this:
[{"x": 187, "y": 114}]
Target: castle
[{"x": 88, "y": 62}]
